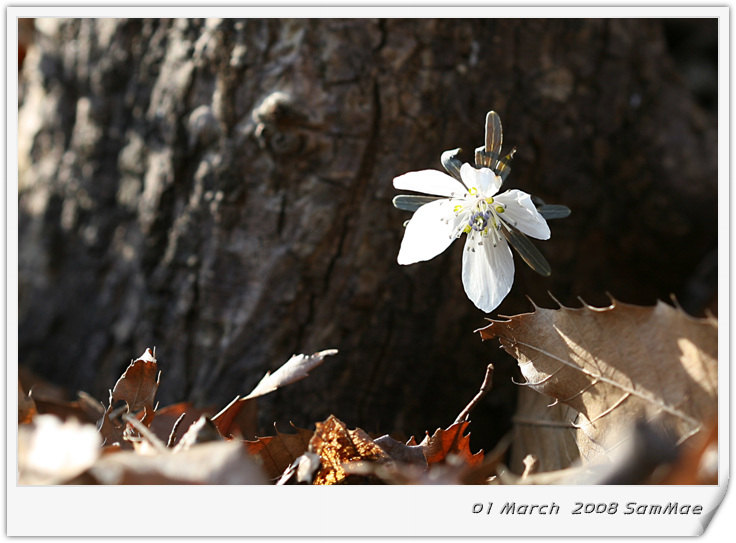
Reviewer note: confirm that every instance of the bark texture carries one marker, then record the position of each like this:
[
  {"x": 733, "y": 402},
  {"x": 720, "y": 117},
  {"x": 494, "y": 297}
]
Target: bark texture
[{"x": 221, "y": 189}]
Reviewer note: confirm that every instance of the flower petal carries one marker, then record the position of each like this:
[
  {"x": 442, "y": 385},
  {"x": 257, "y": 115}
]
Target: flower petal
[
  {"x": 429, "y": 182},
  {"x": 484, "y": 179},
  {"x": 523, "y": 214},
  {"x": 429, "y": 232},
  {"x": 488, "y": 273}
]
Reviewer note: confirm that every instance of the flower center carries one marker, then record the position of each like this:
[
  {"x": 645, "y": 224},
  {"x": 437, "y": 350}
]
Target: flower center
[
  {"x": 480, "y": 217},
  {"x": 484, "y": 215},
  {"x": 479, "y": 221},
  {"x": 483, "y": 219}
]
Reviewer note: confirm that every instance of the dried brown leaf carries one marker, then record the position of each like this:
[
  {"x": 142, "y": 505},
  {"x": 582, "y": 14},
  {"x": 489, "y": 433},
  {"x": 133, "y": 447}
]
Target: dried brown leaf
[
  {"x": 302, "y": 470},
  {"x": 143, "y": 439},
  {"x": 276, "y": 453},
  {"x": 641, "y": 457},
  {"x": 111, "y": 428},
  {"x": 338, "y": 446},
  {"x": 450, "y": 473},
  {"x": 239, "y": 417},
  {"x": 202, "y": 431},
  {"x": 295, "y": 369},
  {"x": 137, "y": 386},
  {"x": 216, "y": 463},
  {"x": 404, "y": 454},
  {"x": 166, "y": 417},
  {"x": 450, "y": 441},
  {"x": 617, "y": 364},
  {"x": 544, "y": 431}
]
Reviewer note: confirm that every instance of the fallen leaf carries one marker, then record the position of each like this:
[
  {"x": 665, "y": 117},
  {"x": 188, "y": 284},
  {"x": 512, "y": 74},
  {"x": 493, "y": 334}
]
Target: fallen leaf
[
  {"x": 295, "y": 369},
  {"x": 111, "y": 428},
  {"x": 137, "y": 386},
  {"x": 338, "y": 446},
  {"x": 238, "y": 417},
  {"x": 166, "y": 417},
  {"x": 232, "y": 418},
  {"x": 544, "y": 431},
  {"x": 302, "y": 470},
  {"x": 404, "y": 454},
  {"x": 84, "y": 410},
  {"x": 52, "y": 451},
  {"x": 144, "y": 441},
  {"x": 450, "y": 441},
  {"x": 449, "y": 473},
  {"x": 202, "y": 431},
  {"x": 486, "y": 471},
  {"x": 649, "y": 446},
  {"x": 276, "y": 453},
  {"x": 648, "y": 449},
  {"x": 216, "y": 463},
  {"x": 618, "y": 364}
]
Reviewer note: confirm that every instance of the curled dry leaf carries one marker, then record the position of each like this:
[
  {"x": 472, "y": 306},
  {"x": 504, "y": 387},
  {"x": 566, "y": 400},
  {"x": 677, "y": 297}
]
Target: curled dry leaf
[
  {"x": 337, "y": 447},
  {"x": 111, "y": 427},
  {"x": 144, "y": 441},
  {"x": 137, "y": 389},
  {"x": 617, "y": 364},
  {"x": 238, "y": 418},
  {"x": 137, "y": 386},
  {"x": 450, "y": 473},
  {"x": 276, "y": 453},
  {"x": 215, "y": 463},
  {"x": 302, "y": 470},
  {"x": 450, "y": 441},
  {"x": 400, "y": 453},
  {"x": 202, "y": 431},
  {"x": 295, "y": 369},
  {"x": 167, "y": 417}
]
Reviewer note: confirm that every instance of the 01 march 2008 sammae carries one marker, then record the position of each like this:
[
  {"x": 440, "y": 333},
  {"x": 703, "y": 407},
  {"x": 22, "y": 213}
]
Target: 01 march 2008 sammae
[{"x": 611, "y": 508}]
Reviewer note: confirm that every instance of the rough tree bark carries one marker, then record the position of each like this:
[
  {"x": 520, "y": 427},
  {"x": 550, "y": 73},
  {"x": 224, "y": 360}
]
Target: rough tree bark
[{"x": 221, "y": 189}]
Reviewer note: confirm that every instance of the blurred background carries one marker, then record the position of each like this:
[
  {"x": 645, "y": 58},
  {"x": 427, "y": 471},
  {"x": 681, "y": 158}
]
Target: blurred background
[{"x": 221, "y": 189}]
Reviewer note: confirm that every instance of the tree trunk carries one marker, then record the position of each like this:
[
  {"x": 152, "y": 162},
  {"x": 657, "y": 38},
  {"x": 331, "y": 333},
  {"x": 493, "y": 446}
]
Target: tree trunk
[{"x": 222, "y": 189}]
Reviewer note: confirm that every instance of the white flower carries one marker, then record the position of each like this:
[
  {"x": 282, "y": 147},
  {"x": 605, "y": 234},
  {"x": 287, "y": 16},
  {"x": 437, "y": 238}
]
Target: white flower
[{"x": 486, "y": 217}]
